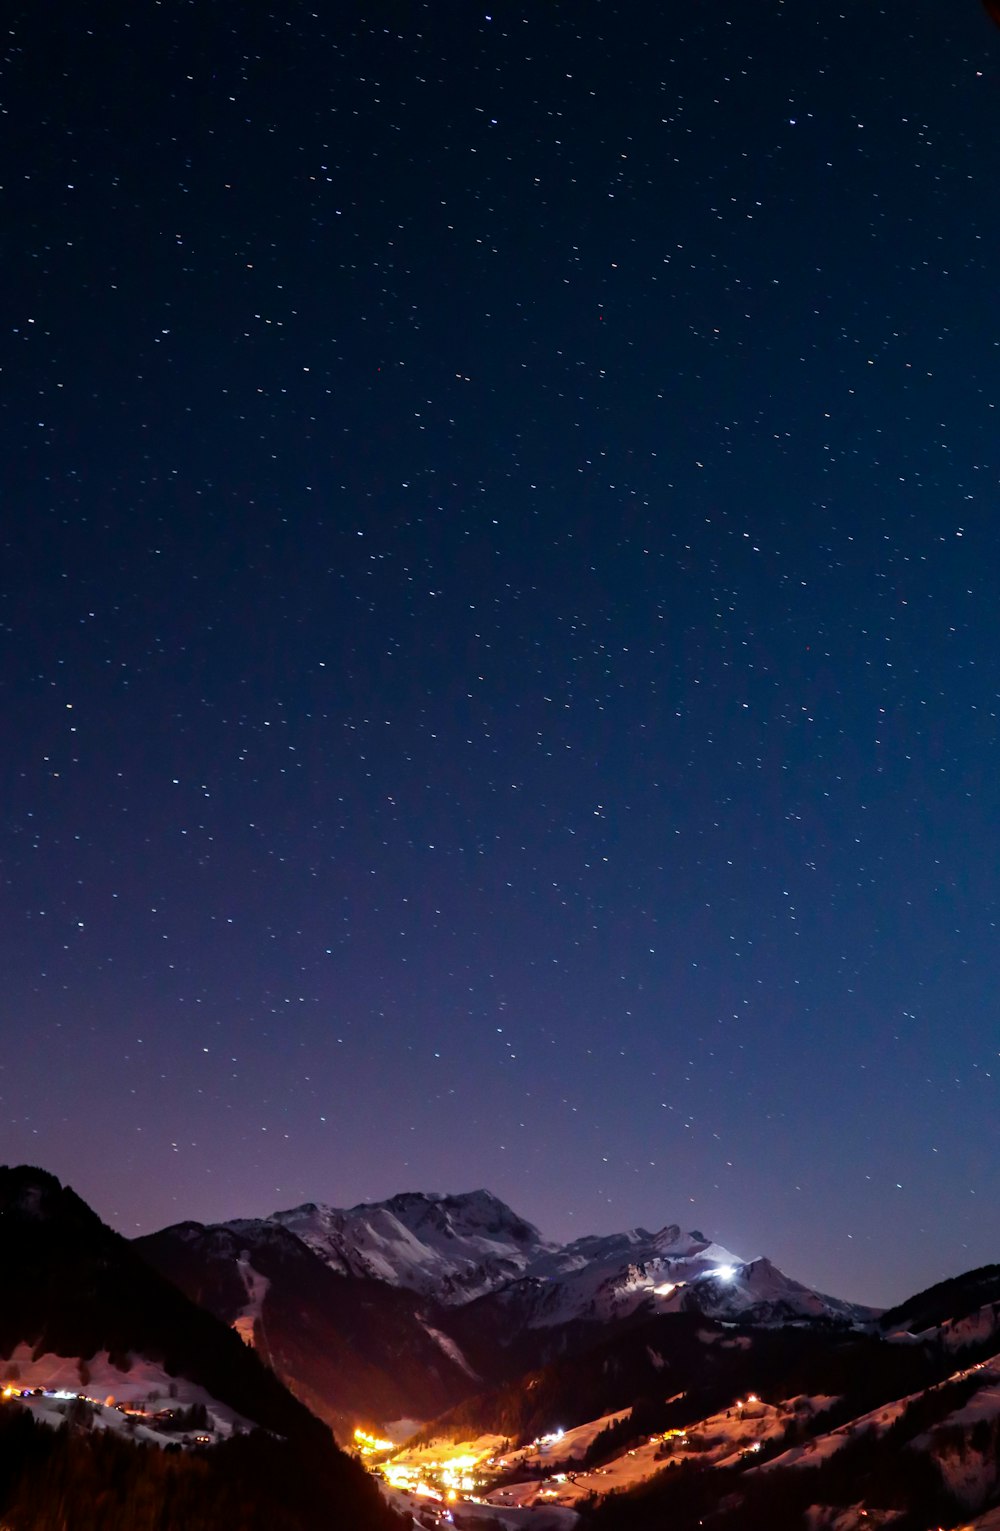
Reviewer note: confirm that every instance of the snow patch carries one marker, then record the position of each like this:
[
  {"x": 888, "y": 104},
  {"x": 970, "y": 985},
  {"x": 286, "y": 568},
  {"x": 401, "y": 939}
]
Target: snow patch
[
  {"x": 451, "y": 1350},
  {"x": 144, "y": 1386},
  {"x": 256, "y": 1287}
]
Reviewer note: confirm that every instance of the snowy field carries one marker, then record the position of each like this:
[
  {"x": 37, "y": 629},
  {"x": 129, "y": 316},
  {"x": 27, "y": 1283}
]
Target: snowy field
[{"x": 126, "y": 1402}]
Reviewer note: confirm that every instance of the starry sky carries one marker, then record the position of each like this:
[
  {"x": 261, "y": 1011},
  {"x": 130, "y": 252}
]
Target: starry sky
[{"x": 500, "y": 641}]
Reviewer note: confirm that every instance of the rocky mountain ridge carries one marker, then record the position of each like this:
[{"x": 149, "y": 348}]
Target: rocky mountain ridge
[
  {"x": 654, "y": 1377},
  {"x": 399, "y": 1310},
  {"x": 458, "y": 1248}
]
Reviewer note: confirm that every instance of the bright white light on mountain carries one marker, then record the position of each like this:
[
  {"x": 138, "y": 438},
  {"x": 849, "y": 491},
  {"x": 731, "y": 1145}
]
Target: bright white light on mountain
[
  {"x": 666, "y": 1290},
  {"x": 724, "y": 1272}
]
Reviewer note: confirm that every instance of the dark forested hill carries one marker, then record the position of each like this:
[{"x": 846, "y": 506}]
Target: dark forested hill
[{"x": 69, "y": 1286}]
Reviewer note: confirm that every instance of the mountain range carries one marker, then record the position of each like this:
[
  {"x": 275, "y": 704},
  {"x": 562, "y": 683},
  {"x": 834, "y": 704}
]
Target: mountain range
[
  {"x": 615, "y": 1347},
  {"x": 395, "y": 1310},
  {"x": 635, "y": 1379}
]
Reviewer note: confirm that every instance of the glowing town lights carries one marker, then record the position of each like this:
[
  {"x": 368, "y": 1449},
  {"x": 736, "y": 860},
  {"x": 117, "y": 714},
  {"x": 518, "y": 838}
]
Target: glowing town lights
[
  {"x": 367, "y": 1444},
  {"x": 398, "y": 1477}
]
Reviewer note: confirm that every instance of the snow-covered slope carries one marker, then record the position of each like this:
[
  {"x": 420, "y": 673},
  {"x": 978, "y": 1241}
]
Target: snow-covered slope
[
  {"x": 72, "y": 1288},
  {"x": 99, "y": 1345},
  {"x": 988, "y": 1522},
  {"x": 354, "y": 1349},
  {"x": 142, "y": 1400},
  {"x": 672, "y": 1271},
  {"x": 758, "y": 1292},
  {"x": 600, "y": 1280},
  {"x": 457, "y": 1248},
  {"x": 452, "y": 1248}
]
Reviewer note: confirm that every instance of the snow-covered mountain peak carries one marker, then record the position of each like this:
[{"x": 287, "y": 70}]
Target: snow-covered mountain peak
[
  {"x": 672, "y": 1242},
  {"x": 470, "y": 1213},
  {"x": 756, "y": 1291},
  {"x": 451, "y": 1247},
  {"x": 454, "y": 1248}
]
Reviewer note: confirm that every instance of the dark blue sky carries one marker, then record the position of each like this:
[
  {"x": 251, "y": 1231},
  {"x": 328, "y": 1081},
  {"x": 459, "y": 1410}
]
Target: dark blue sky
[{"x": 500, "y": 651}]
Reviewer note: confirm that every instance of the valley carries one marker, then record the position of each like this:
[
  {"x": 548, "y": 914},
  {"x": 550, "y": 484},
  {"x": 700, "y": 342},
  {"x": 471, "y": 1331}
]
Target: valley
[
  {"x": 482, "y": 1376},
  {"x": 444, "y": 1480}
]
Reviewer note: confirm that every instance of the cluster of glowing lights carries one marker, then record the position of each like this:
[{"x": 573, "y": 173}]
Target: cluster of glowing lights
[
  {"x": 370, "y": 1445},
  {"x": 129, "y": 1410},
  {"x": 64, "y": 1395},
  {"x": 27, "y": 1392},
  {"x": 434, "y": 1480},
  {"x": 448, "y": 1479}
]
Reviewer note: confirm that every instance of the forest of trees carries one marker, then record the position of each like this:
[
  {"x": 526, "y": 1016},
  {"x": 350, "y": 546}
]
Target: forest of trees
[
  {"x": 53, "y": 1480},
  {"x": 876, "y": 1468}
]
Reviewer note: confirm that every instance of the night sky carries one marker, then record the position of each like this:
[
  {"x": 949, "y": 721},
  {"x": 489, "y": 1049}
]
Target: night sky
[{"x": 501, "y": 615}]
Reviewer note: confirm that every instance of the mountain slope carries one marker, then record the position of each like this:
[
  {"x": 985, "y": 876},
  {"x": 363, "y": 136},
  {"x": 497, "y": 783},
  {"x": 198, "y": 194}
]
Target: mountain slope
[
  {"x": 460, "y": 1248},
  {"x": 678, "y": 1367},
  {"x": 399, "y": 1309},
  {"x": 70, "y": 1287},
  {"x": 356, "y": 1351},
  {"x": 946, "y": 1302},
  {"x": 805, "y": 1428},
  {"x": 917, "y": 1461},
  {"x": 453, "y": 1248}
]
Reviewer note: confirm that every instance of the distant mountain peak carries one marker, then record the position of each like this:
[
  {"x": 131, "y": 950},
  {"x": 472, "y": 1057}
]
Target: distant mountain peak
[
  {"x": 395, "y": 1308},
  {"x": 459, "y": 1246},
  {"x": 672, "y": 1240},
  {"x": 453, "y": 1247}
]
